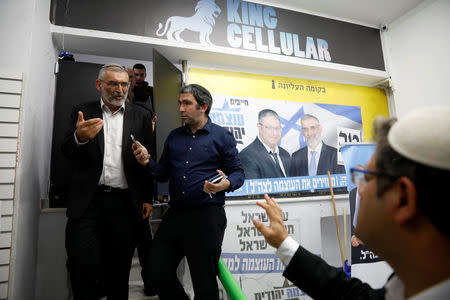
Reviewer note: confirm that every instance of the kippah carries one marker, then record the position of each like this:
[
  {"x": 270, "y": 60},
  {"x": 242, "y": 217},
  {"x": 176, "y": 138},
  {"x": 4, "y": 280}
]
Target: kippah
[{"x": 424, "y": 136}]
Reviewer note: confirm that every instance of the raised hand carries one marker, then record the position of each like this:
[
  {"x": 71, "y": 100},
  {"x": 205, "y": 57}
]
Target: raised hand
[
  {"x": 87, "y": 130},
  {"x": 276, "y": 232}
]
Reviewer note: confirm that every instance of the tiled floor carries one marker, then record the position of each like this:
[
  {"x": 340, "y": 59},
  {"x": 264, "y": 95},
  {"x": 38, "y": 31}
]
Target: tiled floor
[{"x": 137, "y": 292}]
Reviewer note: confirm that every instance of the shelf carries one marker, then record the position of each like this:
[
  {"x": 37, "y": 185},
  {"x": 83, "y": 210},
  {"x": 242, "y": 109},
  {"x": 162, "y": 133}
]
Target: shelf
[{"x": 110, "y": 44}]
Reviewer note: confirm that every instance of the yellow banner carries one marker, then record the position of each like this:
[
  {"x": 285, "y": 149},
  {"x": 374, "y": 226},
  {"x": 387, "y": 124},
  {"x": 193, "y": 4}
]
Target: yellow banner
[{"x": 372, "y": 101}]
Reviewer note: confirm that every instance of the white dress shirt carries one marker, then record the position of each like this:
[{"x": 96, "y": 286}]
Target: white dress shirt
[
  {"x": 287, "y": 250},
  {"x": 113, "y": 173}
]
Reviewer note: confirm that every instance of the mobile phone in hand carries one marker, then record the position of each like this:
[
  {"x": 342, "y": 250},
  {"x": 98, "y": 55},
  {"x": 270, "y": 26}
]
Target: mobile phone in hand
[
  {"x": 133, "y": 139},
  {"x": 215, "y": 178}
]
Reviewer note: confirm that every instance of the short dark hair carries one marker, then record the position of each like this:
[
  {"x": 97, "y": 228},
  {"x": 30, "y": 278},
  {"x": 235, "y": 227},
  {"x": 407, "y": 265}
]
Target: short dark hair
[
  {"x": 201, "y": 95},
  {"x": 139, "y": 66},
  {"x": 430, "y": 182},
  {"x": 267, "y": 112}
]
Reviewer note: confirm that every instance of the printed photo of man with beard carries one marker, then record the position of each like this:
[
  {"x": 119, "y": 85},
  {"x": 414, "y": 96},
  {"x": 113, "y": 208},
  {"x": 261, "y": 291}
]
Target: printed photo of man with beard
[{"x": 317, "y": 158}]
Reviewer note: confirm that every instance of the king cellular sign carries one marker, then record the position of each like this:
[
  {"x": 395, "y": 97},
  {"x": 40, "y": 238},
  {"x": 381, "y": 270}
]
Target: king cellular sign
[
  {"x": 233, "y": 24},
  {"x": 253, "y": 27}
]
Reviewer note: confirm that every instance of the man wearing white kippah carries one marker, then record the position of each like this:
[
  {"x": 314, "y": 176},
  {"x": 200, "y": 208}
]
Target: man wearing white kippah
[{"x": 403, "y": 216}]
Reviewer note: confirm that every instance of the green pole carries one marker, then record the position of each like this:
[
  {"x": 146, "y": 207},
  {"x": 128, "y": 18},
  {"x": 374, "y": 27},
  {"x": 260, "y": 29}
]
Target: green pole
[{"x": 228, "y": 282}]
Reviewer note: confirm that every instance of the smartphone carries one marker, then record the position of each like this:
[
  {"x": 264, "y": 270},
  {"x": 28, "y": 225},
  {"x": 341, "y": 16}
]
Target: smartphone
[
  {"x": 133, "y": 139},
  {"x": 216, "y": 178}
]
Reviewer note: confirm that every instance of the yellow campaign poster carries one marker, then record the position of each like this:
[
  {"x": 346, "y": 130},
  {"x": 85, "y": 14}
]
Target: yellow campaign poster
[
  {"x": 373, "y": 101},
  {"x": 289, "y": 130},
  {"x": 276, "y": 121}
]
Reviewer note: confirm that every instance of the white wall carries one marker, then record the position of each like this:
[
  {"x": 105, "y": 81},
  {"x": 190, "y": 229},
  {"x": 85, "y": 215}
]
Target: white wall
[
  {"x": 27, "y": 47},
  {"x": 417, "y": 48},
  {"x": 52, "y": 281}
]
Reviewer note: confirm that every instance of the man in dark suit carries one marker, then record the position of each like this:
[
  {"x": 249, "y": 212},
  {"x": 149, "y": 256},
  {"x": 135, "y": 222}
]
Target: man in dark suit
[
  {"x": 263, "y": 158},
  {"x": 400, "y": 218},
  {"x": 354, "y": 200},
  {"x": 317, "y": 158},
  {"x": 358, "y": 247},
  {"x": 110, "y": 194}
]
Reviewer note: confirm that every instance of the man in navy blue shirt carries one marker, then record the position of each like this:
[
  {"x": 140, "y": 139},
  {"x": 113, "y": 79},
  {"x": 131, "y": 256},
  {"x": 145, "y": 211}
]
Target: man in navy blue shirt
[{"x": 195, "y": 223}]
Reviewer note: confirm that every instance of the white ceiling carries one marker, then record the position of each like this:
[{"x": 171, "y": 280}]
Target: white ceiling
[{"x": 371, "y": 13}]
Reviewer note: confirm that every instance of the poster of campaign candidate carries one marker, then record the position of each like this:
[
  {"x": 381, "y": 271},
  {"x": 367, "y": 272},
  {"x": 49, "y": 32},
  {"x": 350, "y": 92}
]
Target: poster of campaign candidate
[
  {"x": 355, "y": 157},
  {"x": 285, "y": 146},
  {"x": 289, "y": 131}
]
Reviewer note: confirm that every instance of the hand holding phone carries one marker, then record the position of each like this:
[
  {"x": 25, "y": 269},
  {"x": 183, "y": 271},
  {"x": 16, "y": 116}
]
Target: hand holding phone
[
  {"x": 133, "y": 139},
  {"x": 216, "y": 178},
  {"x": 140, "y": 152}
]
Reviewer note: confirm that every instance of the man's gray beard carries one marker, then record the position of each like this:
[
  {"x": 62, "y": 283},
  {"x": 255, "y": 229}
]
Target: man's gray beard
[
  {"x": 314, "y": 143},
  {"x": 117, "y": 103}
]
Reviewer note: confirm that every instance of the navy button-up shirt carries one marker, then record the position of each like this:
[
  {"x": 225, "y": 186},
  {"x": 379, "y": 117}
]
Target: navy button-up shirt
[{"x": 190, "y": 158}]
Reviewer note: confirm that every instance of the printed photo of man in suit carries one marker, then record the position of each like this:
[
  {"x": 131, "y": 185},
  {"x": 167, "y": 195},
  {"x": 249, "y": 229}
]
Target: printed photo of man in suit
[
  {"x": 317, "y": 158},
  {"x": 263, "y": 158},
  {"x": 358, "y": 248},
  {"x": 110, "y": 197}
]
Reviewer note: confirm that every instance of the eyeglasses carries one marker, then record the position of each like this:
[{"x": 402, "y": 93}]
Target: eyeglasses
[
  {"x": 116, "y": 84},
  {"x": 271, "y": 128},
  {"x": 358, "y": 175}
]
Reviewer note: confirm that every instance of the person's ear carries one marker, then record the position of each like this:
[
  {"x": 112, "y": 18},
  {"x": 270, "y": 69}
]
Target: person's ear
[
  {"x": 204, "y": 107},
  {"x": 405, "y": 201},
  {"x": 98, "y": 85}
]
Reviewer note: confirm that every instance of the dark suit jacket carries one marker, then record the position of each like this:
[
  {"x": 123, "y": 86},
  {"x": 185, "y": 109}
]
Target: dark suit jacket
[
  {"x": 356, "y": 252},
  {"x": 258, "y": 163},
  {"x": 321, "y": 281},
  {"x": 327, "y": 162},
  {"x": 88, "y": 159},
  {"x": 352, "y": 199}
]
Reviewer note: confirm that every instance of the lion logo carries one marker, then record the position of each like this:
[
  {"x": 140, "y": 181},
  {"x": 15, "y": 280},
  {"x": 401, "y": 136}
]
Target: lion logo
[{"x": 202, "y": 21}]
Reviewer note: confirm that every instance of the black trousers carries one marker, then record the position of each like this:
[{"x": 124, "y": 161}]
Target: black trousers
[
  {"x": 100, "y": 246},
  {"x": 196, "y": 233},
  {"x": 144, "y": 243}
]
